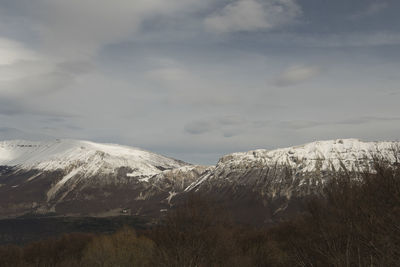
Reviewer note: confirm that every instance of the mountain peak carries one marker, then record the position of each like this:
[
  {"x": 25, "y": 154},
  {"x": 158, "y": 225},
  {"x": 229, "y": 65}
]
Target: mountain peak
[
  {"x": 331, "y": 154},
  {"x": 79, "y": 177},
  {"x": 64, "y": 153}
]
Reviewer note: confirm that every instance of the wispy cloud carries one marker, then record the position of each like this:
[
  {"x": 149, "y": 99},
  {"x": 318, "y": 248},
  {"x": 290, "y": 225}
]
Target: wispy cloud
[
  {"x": 230, "y": 126},
  {"x": 26, "y": 76},
  {"x": 12, "y": 52},
  {"x": 371, "y": 10},
  {"x": 253, "y": 15},
  {"x": 297, "y": 74},
  {"x": 227, "y": 126},
  {"x": 366, "y": 119},
  {"x": 306, "y": 124},
  {"x": 9, "y": 133},
  {"x": 299, "y": 124},
  {"x": 200, "y": 126}
]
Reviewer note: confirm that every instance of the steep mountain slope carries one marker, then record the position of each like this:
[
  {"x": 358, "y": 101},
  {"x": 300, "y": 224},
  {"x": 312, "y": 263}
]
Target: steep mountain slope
[
  {"x": 70, "y": 176},
  {"x": 267, "y": 185}
]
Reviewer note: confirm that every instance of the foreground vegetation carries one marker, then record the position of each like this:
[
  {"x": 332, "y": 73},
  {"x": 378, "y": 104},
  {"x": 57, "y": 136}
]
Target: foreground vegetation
[
  {"x": 31, "y": 228},
  {"x": 355, "y": 223}
]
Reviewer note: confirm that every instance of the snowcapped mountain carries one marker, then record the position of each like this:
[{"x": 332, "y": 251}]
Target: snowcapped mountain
[
  {"x": 270, "y": 183},
  {"x": 320, "y": 156},
  {"x": 90, "y": 157},
  {"x": 71, "y": 177},
  {"x": 328, "y": 155}
]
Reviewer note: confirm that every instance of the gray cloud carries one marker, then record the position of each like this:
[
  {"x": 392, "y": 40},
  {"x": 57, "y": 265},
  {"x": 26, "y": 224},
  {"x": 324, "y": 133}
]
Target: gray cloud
[
  {"x": 371, "y": 10},
  {"x": 231, "y": 120},
  {"x": 25, "y": 95},
  {"x": 227, "y": 126},
  {"x": 8, "y": 108},
  {"x": 253, "y": 15},
  {"x": 367, "y": 119},
  {"x": 299, "y": 124},
  {"x": 297, "y": 74},
  {"x": 36, "y": 85},
  {"x": 15, "y": 107},
  {"x": 200, "y": 127},
  {"x": 162, "y": 74},
  {"x": 76, "y": 67},
  {"x": 305, "y": 124},
  {"x": 370, "y": 39},
  {"x": 28, "y": 79},
  {"x": 7, "y": 133},
  {"x": 76, "y": 29},
  {"x": 231, "y": 125},
  {"x": 25, "y": 73}
]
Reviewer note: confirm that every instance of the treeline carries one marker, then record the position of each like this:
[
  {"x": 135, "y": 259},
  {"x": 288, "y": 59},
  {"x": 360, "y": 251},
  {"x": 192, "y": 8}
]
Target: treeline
[{"x": 355, "y": 223}]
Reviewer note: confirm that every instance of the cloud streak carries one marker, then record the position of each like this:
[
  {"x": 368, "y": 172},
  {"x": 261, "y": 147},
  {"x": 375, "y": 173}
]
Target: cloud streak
[
  {"x": 297, "y": 74},
  {"x": 253, "y": 15},
  {"x": 227, "y": 126},
  {"x": 371, "y": 10}
]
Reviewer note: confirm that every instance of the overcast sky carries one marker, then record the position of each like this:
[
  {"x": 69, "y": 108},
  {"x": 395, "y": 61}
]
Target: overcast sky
[{"x": 197, "y": 79}]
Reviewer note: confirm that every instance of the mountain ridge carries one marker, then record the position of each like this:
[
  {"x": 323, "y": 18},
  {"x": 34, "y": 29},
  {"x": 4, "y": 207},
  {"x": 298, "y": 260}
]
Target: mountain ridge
[
  {"x": 57, "y": 154},
  {"x": 73, "y": 177}
]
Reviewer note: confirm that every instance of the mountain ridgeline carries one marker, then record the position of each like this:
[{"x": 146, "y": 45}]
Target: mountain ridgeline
[{"x": 81, "y": 178}]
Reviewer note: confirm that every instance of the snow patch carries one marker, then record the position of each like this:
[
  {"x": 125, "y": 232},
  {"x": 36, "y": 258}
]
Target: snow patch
[
  {"x": 171, "y": 195},
  {"x": 53, "y": 190}
]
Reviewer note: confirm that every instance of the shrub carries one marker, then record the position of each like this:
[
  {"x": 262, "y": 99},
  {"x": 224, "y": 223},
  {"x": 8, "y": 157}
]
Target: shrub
[{"x": 124, "y": 248}]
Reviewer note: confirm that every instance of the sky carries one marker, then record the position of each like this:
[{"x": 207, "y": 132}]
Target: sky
[{"x": 195, "y": 80}]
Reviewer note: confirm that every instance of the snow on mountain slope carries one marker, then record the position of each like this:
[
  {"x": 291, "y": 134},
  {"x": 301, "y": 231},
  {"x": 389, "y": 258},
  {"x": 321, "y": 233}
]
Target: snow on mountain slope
[
  {"x": 81, "y": 177},
  {"x": 92, "y": 157},
  {"x": 263, "y": 186},
  {"x": 331, "y": 155},
  {"x": 321, "y": 155},
  {"x": 72, "y": 169}
]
